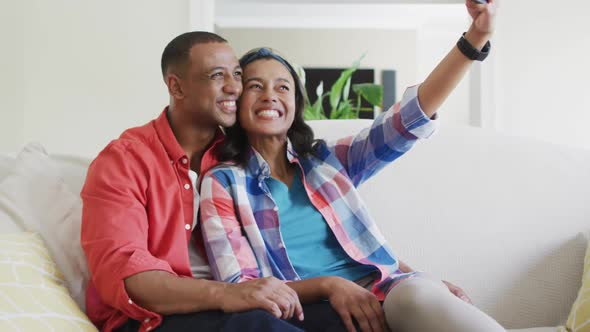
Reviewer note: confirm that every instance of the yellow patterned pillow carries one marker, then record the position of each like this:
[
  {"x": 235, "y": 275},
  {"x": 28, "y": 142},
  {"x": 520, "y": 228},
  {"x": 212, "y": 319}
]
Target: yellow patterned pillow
[
  {"x": 32, "y": 292},
  {"x": 579, "y": 319}
]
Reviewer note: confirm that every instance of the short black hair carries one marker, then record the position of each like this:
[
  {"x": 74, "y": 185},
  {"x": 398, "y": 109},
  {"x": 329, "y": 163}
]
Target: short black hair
[{"x": 177, "y": 52}]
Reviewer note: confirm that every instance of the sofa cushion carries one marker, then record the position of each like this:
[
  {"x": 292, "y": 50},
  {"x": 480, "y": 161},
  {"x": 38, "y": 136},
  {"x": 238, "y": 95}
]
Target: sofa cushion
[
  {"x": 579, "y": 318},
  {"x": 36, "y": 198},
  {"x": 7, "y": 224},
  {"x": 33, "y": 295},
  {"x": 497, "y": 215}
]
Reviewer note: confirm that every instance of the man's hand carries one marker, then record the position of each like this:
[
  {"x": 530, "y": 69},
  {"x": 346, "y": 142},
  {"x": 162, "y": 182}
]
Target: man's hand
[
  {"x": 270, "y": 294},
  {"x": 351, "y": 300},
  {"x": 458, "y": 292}
]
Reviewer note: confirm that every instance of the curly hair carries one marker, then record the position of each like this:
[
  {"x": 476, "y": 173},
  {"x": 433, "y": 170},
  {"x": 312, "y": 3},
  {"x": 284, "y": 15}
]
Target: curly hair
[{"x": 237, "y": 148}]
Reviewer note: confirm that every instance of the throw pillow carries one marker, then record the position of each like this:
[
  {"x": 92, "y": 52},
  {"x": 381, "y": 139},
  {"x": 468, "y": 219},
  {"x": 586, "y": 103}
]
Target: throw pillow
[
  {"x": 579, "y": 318},
  {"x": 35, "y": 196},
  {"x": 32, "y": 295}
]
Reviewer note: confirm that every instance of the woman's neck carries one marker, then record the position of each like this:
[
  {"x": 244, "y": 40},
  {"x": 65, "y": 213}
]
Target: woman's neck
[{"x": 274, "y": 152}]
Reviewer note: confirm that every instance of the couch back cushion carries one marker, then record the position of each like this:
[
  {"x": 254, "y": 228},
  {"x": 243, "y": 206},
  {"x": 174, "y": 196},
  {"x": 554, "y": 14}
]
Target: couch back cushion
[
  {"x": 35, "y": 197},
  {"x": 579, "y": 318},
  {"x": 500, "y": 216},
  {"x": 6, "y": 164}
]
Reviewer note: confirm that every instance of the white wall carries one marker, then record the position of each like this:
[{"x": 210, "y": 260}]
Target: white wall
[
  {"x": 435, "y": 38},
  {"x": 77, "y": 73},
  {"x": 90, "y": 69},
  {"x": 11, "y": 80},
  {"x": 385, "y": 49},
  {"x": 543, "y": 70},
  {"x": 412, "y": 53}
]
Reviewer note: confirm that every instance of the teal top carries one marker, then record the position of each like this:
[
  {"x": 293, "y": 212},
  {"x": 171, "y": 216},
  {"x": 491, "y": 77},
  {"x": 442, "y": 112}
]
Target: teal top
[{"x": 311, "y": 246}]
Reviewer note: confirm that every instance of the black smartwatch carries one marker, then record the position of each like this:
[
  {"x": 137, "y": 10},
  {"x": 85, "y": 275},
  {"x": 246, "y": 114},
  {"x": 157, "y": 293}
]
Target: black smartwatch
[{"x": 471, "y": 52}]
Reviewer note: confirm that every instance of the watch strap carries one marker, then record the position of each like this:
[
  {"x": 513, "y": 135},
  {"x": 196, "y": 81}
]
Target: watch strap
[{"x": 471, "y": 52}]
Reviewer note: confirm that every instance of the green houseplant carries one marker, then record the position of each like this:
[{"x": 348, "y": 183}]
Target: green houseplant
[{"x": 341, "y": 107}]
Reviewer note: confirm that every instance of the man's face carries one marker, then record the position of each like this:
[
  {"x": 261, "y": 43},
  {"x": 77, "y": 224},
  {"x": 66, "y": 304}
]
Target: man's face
[{"x": 212, "y": 84}]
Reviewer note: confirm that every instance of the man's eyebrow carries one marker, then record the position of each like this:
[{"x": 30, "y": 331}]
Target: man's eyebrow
[
  {"x": 215, "y": 68},
  {"x": 260, "y": 79},
  {"x": 223, "y": 68}
]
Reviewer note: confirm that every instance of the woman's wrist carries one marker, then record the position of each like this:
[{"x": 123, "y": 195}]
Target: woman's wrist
[
  {"x": 327, "y": 285},
  {"x": 476, "y": 38}
]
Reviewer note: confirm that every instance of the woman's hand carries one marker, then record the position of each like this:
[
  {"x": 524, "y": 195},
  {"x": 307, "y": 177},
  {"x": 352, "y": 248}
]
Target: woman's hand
[
  {"x": 458, "y": 292},
  {"x": 483, "y": 16},
  {"x": 352, "y": 301}
]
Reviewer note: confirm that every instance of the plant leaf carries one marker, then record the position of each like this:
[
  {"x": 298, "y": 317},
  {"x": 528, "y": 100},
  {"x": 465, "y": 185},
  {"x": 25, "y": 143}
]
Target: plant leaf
[
  {"x": 310, "y": 112},
  {"x": 315, "y": 111},
  {"x": 300, "y": 72},
  {"x": 346, "y": 90},
  {"x": 319, "y": 91},
  {"x": 373, "y": 93},
  {"x": 344, "y": 111},
  {"x": 336, "y": 90}
]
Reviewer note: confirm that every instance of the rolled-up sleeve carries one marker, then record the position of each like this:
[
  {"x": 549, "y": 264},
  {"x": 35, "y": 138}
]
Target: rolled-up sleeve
[
  {"x": 391, "y": 135},
  {"x": 115, "y": 227}
]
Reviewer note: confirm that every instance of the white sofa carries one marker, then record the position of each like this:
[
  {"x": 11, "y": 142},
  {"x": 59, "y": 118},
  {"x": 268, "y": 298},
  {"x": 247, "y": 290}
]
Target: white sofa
[{"x": 503, "y": 217}]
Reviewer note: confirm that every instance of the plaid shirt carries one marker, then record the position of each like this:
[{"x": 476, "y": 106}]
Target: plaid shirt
[{"x": 240, "y": 222}]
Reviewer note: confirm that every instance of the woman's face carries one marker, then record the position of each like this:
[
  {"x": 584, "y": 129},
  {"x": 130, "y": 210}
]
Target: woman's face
[{"x": 267, "y": 104}]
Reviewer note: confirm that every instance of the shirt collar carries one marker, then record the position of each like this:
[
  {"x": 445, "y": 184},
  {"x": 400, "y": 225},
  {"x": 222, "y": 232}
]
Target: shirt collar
[
  {"x": 173, "y": 148},
  {"x": 260, "y": 168},
  {"x": 209, "y": 159}
]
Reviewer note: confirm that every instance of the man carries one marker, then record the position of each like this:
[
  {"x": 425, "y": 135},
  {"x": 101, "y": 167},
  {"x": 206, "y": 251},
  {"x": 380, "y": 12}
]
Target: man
[{"x": 140, "y": 207}]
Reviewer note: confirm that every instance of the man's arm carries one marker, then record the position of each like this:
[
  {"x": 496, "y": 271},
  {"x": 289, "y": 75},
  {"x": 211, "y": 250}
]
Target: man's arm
[
  {"x": 126, "y": 274},
  {"x": 164, "y": 293}
]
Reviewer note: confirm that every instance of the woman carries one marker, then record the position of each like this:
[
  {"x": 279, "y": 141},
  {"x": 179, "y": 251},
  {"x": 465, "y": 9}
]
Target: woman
[{"x": 326, "y": 244}]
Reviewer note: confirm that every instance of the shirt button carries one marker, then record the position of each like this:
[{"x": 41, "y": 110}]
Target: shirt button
[
  {"x": 187, "y": 227},
  {"x": 149, "y": 328},
  {"x": 276, "y": 208},
  {"x": 130, "y": 302},
  {"x": 187, "y": 186},
  {"x": 281, "y": 245},
  {"x": 147, "y": 320},
  {"x": 184, "y": 161}
]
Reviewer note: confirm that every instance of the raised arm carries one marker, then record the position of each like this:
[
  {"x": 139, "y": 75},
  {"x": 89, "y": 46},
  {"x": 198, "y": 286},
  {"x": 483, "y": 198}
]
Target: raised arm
[
  {"x": 394, "y": 132},
  {"x": 449, "y": 72}
]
